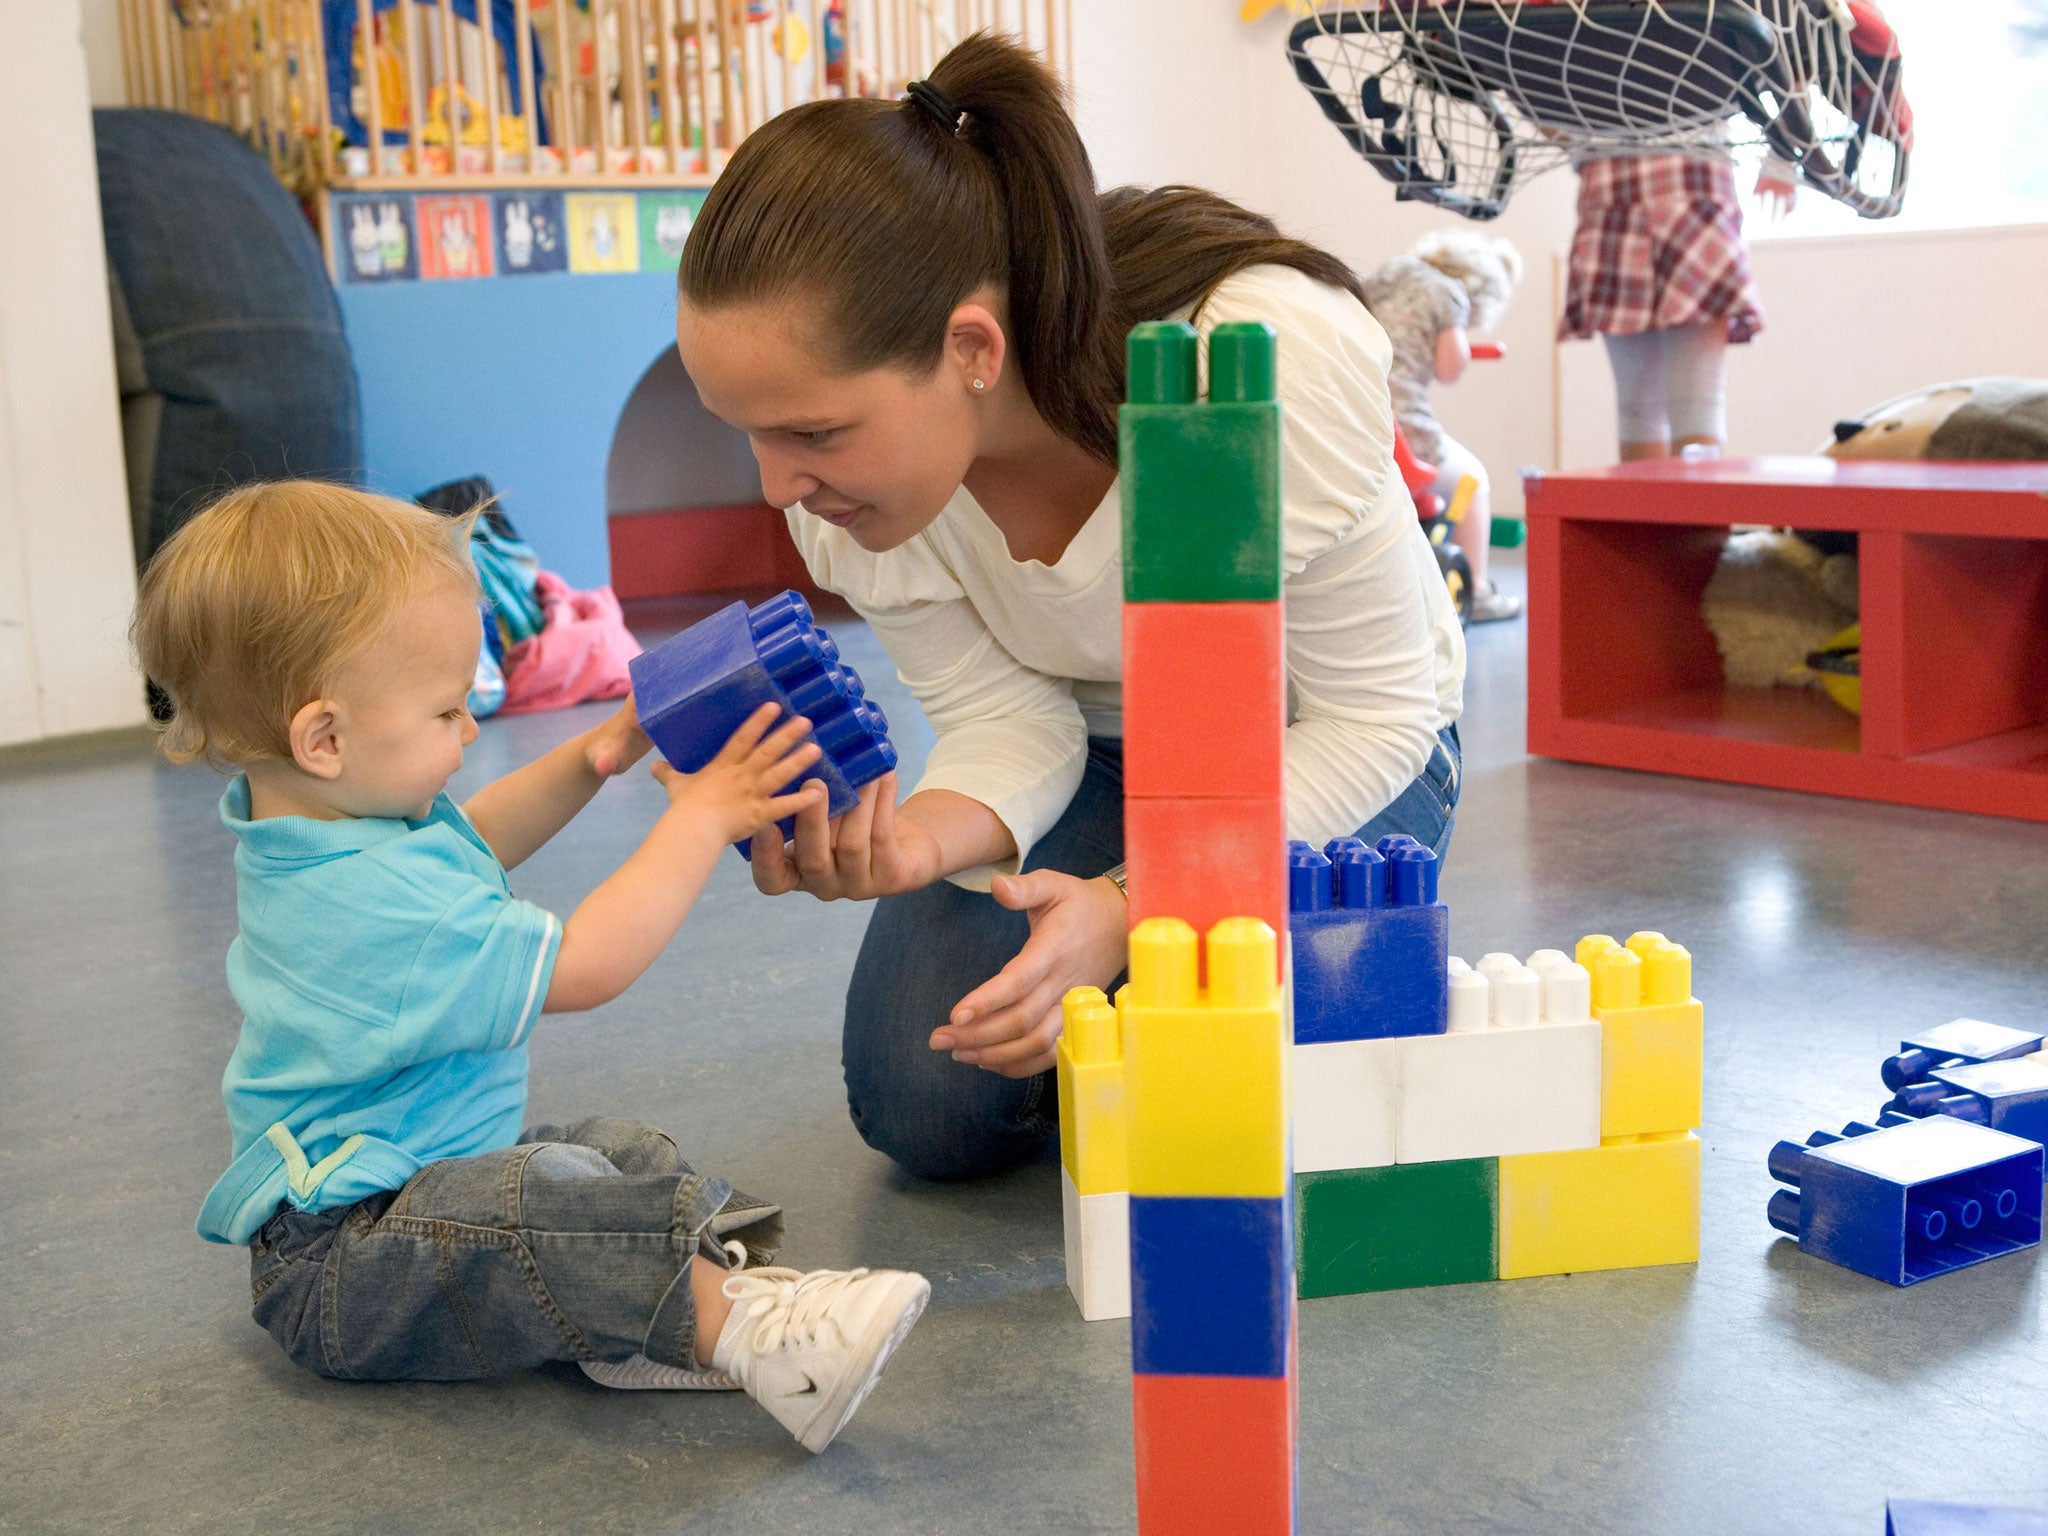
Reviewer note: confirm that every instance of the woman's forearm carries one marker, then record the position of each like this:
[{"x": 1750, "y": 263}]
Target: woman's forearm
[{"x": 965, "y": 834}]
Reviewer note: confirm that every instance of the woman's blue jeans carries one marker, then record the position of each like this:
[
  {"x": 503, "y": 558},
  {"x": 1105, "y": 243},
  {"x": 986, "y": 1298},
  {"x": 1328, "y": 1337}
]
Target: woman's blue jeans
[{"x": 925, "y": 950}]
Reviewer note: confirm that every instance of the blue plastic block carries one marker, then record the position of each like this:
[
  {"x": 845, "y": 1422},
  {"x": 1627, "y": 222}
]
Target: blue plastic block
[
  {"x": 1371, "y": 940},
  {"x": 2009, "y": 1095},
  {"x": 1956, "y": 1043},
  {"x": 696, "y": 688},
  {"x": 1911, "y": 1200},
  {"x": 1911, "y": 1517},
  {"x": 1212, "y": 1286}
]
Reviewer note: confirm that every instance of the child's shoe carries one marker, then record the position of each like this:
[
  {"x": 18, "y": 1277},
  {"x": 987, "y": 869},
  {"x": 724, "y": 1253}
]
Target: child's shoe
[
  {"x": 637, "y": 1373},
  {"x": 1490, "y": 604},
  {"x": 810, "y": 1347}
]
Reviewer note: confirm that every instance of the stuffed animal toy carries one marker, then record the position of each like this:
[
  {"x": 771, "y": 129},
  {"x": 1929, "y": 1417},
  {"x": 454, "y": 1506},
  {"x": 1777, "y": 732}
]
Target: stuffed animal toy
[{"x": 1778, "y": 602}]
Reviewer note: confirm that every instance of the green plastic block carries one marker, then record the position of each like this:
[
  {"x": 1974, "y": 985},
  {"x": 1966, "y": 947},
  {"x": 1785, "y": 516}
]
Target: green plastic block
[
  {"x": 1508, "y": 532},
  {"x": 1201, "y": 478},
  {"x": 1384, "y": 1229}
]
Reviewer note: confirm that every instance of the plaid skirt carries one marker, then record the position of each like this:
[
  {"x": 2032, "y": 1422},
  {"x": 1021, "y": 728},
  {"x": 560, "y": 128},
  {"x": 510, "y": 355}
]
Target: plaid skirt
[{"x": 1659, "y": 244}]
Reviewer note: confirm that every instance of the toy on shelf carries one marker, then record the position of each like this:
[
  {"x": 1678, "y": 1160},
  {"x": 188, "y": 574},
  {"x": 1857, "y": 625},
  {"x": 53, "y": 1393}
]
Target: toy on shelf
[
  {"x": 424, "y": 93},
  {"x": 1908, "y": 1199},
  {"x": 696, "y": 688},
  {"x": 1185, "y": 1081}
]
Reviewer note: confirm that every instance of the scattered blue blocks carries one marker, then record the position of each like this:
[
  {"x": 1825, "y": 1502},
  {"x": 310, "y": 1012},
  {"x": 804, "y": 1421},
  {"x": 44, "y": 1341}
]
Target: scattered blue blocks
[
  {"x": 1909, "y": 1199},
  {"x": 1371, "y": 941},
  {"x": 1912, "y": 1517},
  {"x": 1960, "y": 1042},
  {"x": 1212, "y": 1286},
  {"x": 2010, "y": 1095},
  {"x": 696, "y": 688}
]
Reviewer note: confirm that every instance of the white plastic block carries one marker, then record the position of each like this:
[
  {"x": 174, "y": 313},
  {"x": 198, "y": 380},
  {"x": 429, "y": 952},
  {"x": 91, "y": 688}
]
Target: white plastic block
[
  {"x": 1468, "y": 1001},
  {"x": 1098, "y": 1232},
  {"x": 1567, "y": 987},
  {"x": 1491, "y": 965},
  {"x": 1517, "y": 997},
  {"x": 1347, "y": 1096},
  {"x": 1458, "y": 967},
  {"x": 1495, "y": 1092}
]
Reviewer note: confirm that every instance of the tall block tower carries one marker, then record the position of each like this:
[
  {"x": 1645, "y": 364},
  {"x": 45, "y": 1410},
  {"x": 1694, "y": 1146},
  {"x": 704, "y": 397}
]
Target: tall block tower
[{"x": 1202, "y": 1033}]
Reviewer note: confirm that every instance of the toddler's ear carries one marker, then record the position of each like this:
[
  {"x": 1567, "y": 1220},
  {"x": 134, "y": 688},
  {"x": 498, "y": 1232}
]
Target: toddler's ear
[{"x": 316, "y": 740}]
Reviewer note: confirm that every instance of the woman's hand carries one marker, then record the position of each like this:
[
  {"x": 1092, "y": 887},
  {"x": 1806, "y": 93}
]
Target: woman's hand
[
  {"x": 1009, "y": 1023},
  {"x": 868, "y": 852}
]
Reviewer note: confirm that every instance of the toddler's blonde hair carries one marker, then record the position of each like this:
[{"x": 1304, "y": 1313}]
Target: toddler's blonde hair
[
  {"x": 248, "y": 611},
  {"x": 1487, "y": 266}
]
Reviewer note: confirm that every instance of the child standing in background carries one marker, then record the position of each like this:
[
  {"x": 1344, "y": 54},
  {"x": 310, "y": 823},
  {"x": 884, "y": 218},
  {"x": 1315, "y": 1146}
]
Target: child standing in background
[
  {"x": 400, "y": 1227},
  {"x": 1660, "y": 273},
  {"x": 1453, "y": 283}
]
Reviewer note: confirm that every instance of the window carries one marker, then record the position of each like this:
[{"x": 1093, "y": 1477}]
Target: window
[{"x": 1976, "y": 72}]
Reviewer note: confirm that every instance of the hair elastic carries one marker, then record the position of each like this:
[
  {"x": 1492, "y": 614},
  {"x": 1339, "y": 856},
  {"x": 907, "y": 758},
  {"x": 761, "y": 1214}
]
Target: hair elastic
[{"x": 936, "y": 102}]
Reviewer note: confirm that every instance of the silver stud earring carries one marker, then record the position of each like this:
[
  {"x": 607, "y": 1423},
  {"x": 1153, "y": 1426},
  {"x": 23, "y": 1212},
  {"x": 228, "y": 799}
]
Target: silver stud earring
[{"x": 981, "y": 384}]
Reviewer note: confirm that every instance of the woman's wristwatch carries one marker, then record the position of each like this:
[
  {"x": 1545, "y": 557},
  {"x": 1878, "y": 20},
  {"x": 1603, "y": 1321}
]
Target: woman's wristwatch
[{"x": 1120, "y": 878}]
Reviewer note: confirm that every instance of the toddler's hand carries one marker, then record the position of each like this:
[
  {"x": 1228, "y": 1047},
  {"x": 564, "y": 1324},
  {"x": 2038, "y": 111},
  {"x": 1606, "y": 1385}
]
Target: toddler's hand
[
  {"x": 738, "y": 791},
  {"x": 1777, "y": 187},
  {"x": 619, "y": 743}
]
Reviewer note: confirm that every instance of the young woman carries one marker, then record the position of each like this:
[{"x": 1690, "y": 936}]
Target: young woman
[{"x": 916, "y": 311}]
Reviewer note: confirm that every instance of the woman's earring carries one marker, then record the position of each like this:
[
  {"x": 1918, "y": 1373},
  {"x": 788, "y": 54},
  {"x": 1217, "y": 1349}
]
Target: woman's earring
[{"x": 981, "y": 383}]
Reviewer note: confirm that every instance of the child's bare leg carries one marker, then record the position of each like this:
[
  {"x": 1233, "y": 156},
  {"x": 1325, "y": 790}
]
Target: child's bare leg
[
  {"x": 707, "y": 1290},
  {"x": 1473, "y": 533},
  {"x": 1644, "y": 428},
  {"x": 1695, "y": 387}
]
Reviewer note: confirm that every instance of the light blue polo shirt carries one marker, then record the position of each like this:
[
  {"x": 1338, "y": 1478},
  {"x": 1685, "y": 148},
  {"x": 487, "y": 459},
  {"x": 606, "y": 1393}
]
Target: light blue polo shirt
[{"x": 388, "y": 979}]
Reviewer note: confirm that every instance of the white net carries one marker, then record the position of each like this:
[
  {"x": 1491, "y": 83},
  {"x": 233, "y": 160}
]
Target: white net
[{"x": 1458, "y": 102}]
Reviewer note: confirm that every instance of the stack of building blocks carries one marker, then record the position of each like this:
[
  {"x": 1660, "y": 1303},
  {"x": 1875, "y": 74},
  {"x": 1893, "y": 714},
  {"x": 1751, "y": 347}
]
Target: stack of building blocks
[
  {"x": 1546, "y": 1130},
  {"x": 696, "y": 688},
  {"x": 1544, "y": 1125},
  {"x": 1197, "y": 1047}
]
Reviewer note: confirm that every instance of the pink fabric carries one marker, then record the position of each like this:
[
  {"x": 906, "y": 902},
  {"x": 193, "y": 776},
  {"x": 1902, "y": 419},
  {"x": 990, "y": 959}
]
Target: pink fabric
[{"x": 580, "y": 653}]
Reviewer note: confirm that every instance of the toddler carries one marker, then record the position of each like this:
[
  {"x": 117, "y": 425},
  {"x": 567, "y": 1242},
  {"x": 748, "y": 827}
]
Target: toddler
[
  {"x": 400, "y": 1227},
  {"x": 1453, "y": 283}
]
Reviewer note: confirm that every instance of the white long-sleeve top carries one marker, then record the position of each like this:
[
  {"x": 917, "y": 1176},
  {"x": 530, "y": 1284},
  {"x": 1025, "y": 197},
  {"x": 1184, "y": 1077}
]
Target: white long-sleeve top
[{"x": 1017, "y": 663}]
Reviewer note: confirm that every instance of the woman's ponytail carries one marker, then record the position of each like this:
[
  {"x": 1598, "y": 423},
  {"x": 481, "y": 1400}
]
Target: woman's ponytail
[
  {"x": 1057, "y": 266},
  {"x": 889, "y": 218}
]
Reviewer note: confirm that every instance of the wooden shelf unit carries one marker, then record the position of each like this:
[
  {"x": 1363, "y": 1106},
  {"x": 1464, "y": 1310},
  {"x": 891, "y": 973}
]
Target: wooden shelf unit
[{"x": 1953, "y": 569}]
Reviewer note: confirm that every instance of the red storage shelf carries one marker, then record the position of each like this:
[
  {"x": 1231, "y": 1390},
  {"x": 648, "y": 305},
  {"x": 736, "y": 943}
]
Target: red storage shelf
[{"x": 1953, "y": 563}]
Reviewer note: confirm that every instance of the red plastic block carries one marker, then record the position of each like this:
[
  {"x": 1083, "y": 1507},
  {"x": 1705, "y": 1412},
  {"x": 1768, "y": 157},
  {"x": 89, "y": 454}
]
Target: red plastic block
[
  {"x": 1204, "y": 698},
  {"x": 1214, "y": 1454},
  {"x": 1203, "y": 860}
]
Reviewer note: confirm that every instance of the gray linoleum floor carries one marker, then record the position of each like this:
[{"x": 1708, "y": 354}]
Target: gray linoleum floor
[{"x": 1760, "y": 1392}]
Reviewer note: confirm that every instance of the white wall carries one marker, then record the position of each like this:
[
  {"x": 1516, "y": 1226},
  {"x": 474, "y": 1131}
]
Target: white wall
[{"x": 66, "y": 562}]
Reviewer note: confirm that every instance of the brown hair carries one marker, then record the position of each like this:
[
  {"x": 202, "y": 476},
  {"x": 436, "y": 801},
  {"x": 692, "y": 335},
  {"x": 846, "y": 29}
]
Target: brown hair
[
  {"x": 247, "y": 611},
  {"x": 890, "y": 219}
]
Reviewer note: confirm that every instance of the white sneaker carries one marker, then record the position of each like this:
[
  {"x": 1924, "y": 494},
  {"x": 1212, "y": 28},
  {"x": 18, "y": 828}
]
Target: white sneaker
[
  {"x": 1490, "y": 605},
  {"x": 810, "y": 1347}
]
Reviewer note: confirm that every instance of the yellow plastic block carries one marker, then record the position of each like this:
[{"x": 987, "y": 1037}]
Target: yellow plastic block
[
  {"x": 1624, "y": 1204},
  {"x": 1652, "y": 1034},
  {"x": 1090, "y": 1067},
  {"x": 1206, "y": 1069}
]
